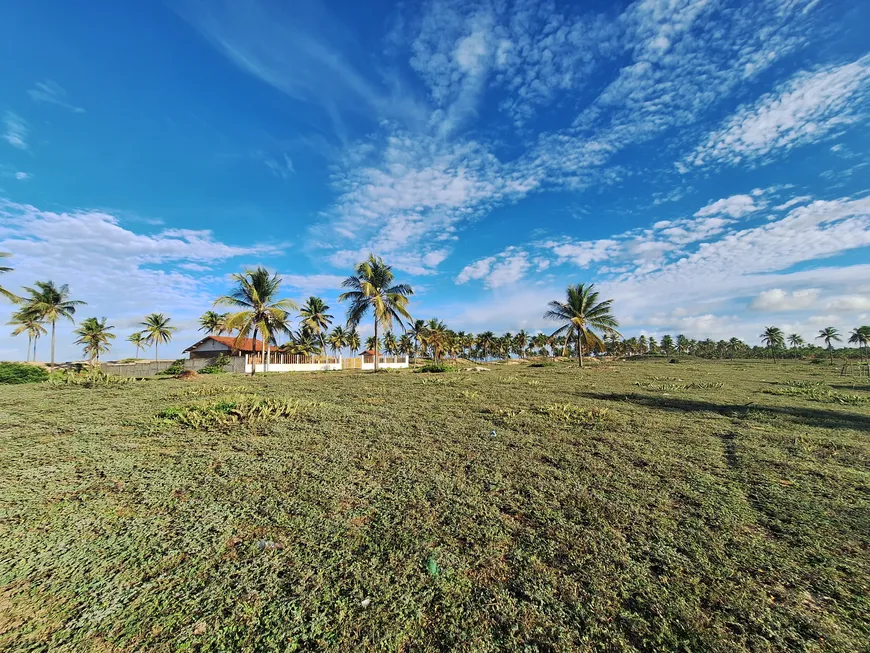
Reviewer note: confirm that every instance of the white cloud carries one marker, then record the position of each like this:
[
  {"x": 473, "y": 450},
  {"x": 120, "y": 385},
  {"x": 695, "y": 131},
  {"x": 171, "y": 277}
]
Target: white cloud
[
  {"x": 313, "y": 283},
  {"x": 778, "y": 299},
  {"x": 807, "y": 108},
  {"x": 50, "y": 92},
  {"x": 849, "y": 303},
  {"x": 281, "y": 167},
  {"x": 735, "y": 206},
  {"x": 23, "y": 176},
  {"x": 15, "y": 130},
  {"x": 121, "y": 274},
  {"x": 802, "y": 199}
]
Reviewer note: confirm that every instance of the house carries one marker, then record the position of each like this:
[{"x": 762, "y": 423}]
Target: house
[{"x": 214, "y": 346}]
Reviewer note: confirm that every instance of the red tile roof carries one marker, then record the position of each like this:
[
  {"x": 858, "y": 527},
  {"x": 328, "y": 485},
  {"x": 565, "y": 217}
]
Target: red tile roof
[{"x": 245, "y": 345}]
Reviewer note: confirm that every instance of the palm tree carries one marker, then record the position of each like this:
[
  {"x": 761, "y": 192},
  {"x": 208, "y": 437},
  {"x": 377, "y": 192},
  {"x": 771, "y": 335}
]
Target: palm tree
[
  {"x": 436, "y": 336},
  {"x": 521, "y": 341},
  {"x": 860, "y": 336},
  {"x": 353, "y": 341},
  {"x": 773, "y": 338},
  {"x": 580, "y": 314},
  {"x": 667, "y": 344},
  {"x": 372, "y": 289},
  {"x": 390, "y": 343},
  {"x": 315, "y": 318},
  {"x": 795, "y": 340},
  {"x": 371, "y": 343},
  {"x": 12, "y": 297},
  {"x": 405, "y": 344},
  {"x": 417, "y": 329},
  {"x": 94, "y": 335},
  {"x": 256, "y": 294},
  {"x": 157, "y": 331},
  {"x": 27, "y": 322},
  {"x": 213, "y": 322},
  {"x": 49, "y": 303},
  {"x": 486, "y": 342},
  {"x": 337, "y": 339},
  {"x": 138, "y": 340},
  {"x": 829, "y": 335}
]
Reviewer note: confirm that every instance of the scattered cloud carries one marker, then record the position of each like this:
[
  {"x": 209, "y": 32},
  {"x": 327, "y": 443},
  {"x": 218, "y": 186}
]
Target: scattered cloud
[
  {"x": 50, "y": 92},
  {"x": 313, "y": 283},
  {"x": 809, "y": 107},
  {"x": 23, "y": 176},
  {"x": 15, "y": 130},
  {"x": 735, "y": 206},
  {"x": 281, "y": 167},
  {"x": 778, "y": 299}
]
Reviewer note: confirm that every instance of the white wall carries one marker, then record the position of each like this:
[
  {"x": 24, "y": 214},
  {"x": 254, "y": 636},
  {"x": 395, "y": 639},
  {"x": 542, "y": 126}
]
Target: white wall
[
  {"x": 301, "y": 367},
  {"x": 215, "y": 346}
]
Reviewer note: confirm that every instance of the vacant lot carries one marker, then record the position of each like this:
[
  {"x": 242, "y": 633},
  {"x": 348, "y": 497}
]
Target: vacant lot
[{"x": 628, "y": 506}]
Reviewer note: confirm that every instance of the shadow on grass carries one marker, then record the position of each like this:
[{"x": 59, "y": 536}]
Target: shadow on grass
[{"x": 810, "y": 416}]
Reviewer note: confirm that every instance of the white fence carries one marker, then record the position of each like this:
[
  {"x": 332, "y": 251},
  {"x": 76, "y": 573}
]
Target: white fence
[{"x": 300, "y": 363}]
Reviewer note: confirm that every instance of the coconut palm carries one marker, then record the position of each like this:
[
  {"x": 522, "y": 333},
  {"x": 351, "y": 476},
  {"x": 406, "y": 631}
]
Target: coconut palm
[
  {"x": 27, "y": 322},
  {"x": 337, "y": 339},
  {"x": 353, "y": 341},
  {"x": 49, "y": 303},
  {"x": 521, "y": 341},
  {"x": 372, "y": 288},
  {"x": 860, "y": 336},
  {"x": 795, "y": 340},
  {"x": 213, "y": 322},
  {"x": 157, "y": 331},
  {"x": 315, "y": 318},
  {"x": 390, "y": 344},
  {"x": 436, "y": 337},
  {"x": 405, "y": 344},
  {"x": 138, "y": 340},
  {"x": 260, "y": 309},
  {"x": 12, "y": 297},
  {"x": 580, "y": 314},
  {"x": 96, "y": 337},
  {"x": 667, "y": 344},
  {"x": 829, "y": 335},
  {"x": 302, "y": 343},
  {"x": 371, "y": 343},
  {"x": 417, "y": 329},
  {"x": 773, "y": 339},
  {"x": 486, "y": 343}
]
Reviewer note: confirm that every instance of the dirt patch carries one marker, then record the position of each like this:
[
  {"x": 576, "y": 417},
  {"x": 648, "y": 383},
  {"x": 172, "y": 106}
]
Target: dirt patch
[{"x": 187, "y": 375}]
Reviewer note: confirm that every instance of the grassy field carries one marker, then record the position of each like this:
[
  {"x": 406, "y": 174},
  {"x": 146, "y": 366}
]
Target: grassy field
[{"x": 636, "y": 505}]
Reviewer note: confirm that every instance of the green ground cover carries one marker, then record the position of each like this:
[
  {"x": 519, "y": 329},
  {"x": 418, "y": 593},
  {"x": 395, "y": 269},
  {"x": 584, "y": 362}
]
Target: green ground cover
[{"x": 703, "y": 506}]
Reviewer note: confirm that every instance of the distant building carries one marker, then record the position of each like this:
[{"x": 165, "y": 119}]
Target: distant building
[{"x": 214, "y": 346}]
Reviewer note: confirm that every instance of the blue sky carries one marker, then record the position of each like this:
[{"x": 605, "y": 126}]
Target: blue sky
[{"x": 704, "y": 162}]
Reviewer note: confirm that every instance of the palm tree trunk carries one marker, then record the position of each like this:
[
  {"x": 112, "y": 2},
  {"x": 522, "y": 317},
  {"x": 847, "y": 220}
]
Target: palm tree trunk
[
  {"x": 376, "y": 344},
  {"x": 579, "y": 350},
  {"x": 254, "y": 357},
  {"x": 831, "y": 352},
  {"x": 53, "y": 325},
  {"x": 29, "y": 343},
  {"x": 156, "y": 357}
]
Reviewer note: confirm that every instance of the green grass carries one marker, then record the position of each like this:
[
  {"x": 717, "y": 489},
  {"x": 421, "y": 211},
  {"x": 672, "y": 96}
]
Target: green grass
[
  {"x": 15, "y": 373},
  {"x": 627, "y": 506}
]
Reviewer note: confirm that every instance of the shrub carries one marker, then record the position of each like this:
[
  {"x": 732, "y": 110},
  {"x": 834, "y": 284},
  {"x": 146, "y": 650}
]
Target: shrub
[
  {"x": 217, "y": 367},
  {"x": 241, "y": 409},
  {"x": 575, "y": 415},
  {"x": 436, "y": 368},
  {"x": 21, "y": 373},
  {"x": 543, "y": 364},
  {"x": 87, "y": 378},
  {"x": 175, "y": 369}
]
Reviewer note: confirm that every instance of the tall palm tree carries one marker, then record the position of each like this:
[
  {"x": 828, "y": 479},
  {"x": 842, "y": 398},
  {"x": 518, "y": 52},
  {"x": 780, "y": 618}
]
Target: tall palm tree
[
  {"x": 859, "y": 336},
  {"x": 337, "y": 339},
  {"x": 417, "y": 329},
  {"x": 256, "y": 295},
  {"x": 795, "y": 340},
  {"x": 580, "y": 314},
  {"x": 486, "y": 343},
  {"x": 138, "y": 340},
  {"x": 390, "y": 344},
  {"x": 49, "y": 303},
  {"x": 315, "y": 317},
  {"x": 773, "y": 338},
  {"x": 157, "y": 331},
  {"x": 95, "y": 335},
  {"x": 372, "y": 288},
  {"x": 353, "y": 341},
  {"x": 667, "y": 344},
  {"x": 371, "y": 343},
  {"x": 829, "y": 335},
  {"x": 213, "y": 322},
  {"x": 27, "y": 322}
]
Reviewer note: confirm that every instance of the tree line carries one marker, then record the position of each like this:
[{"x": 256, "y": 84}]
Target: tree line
[{"x": 586, "y": 325}]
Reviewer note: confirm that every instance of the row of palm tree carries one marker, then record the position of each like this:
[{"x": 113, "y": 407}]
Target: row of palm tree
[
  {"x": 774, "y": 339},
  {"x": 585, "y": 324}
]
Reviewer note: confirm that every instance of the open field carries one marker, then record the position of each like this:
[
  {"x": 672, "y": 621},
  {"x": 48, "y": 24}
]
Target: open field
[{"x": 638, "y": 505}]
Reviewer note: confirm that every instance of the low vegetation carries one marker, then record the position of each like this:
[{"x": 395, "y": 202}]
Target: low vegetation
[
  {"x": 12, "y": 373},
  {"x": 524, "y": 509}
]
